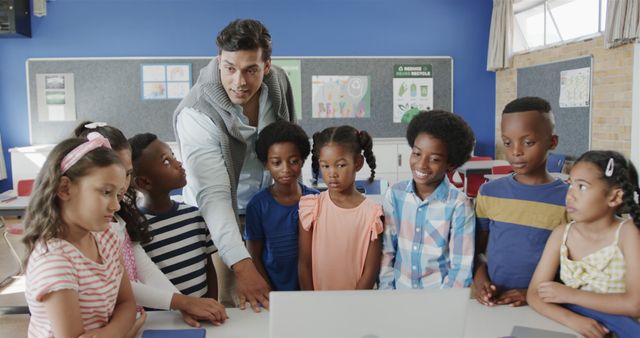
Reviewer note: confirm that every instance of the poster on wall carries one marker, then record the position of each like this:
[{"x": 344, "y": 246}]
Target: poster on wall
[
  {"x": 56, "y": 97},
  {"x": 574, "y": 87},
  {"x": 293, "y": 70},
  {"x": 340, "y": 96},
  {"x": 412, "y": 91},
  {"x": 165, "y": 81}
]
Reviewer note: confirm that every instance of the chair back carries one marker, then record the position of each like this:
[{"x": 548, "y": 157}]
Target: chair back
[
  {"x": 25, "y": 187},
  {"x": 501, "y": 169},
  {"x": 555, "y": 162},
  {"x": 474, "y": 181},
  {"x": 377, "y": 187}
]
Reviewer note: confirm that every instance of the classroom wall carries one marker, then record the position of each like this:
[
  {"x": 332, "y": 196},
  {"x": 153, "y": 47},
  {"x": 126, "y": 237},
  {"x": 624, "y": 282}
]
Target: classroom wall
[
  {"x": 456, "y": 28},
  {"x": 611, "y": 90}
]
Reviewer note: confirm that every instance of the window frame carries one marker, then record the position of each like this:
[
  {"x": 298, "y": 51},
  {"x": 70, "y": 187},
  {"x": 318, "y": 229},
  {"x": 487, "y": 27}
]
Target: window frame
[{"x": 547, "y": 13}]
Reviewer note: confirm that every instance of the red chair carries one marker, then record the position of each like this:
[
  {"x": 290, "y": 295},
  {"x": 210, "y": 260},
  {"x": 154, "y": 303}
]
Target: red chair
[
  {"x": 501, "y": 170},
  {"x": 456, "y": 178},
  {"x": 25, "y": 187},
  {"x": 474, "y": 181},
  {"x": 462, "y": 184}
]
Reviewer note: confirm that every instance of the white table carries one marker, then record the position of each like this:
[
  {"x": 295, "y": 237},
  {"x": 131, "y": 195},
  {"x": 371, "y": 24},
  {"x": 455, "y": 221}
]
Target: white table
[
  {"x": 480, "y": 167},
  {"x": 498, "y": 321},
  {"x": 240, "y": 323},
  {"x": 15, "y": 206},
  {"x": 481, "y": 321}
]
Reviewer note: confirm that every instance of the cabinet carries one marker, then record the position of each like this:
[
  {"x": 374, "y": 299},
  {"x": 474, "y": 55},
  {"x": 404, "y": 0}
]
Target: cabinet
[
  {"x": 15, "y": 18},
  {"x": 392, "y": 161}
]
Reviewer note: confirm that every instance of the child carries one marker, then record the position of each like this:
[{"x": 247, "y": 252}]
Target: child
[
  {"x": 77, "y": 284},
  {"x": 271, "y": 229},
  {"x": 151, "y": 288},
  {"x": 598, "y": 253},
  {"x": 339, "y": 244},
  {"x": 429, "y": 231},
  {"x": 515, "y": 214},
  {"x": 181, "y": 246}
]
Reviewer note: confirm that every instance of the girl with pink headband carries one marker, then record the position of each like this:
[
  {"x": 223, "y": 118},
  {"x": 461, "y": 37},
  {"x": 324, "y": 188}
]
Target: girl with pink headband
[{"x": 77, "y": 284}]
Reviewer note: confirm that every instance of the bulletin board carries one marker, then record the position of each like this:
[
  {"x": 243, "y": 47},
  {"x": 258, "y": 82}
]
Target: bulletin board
[
  {"x": 567, "y": 86},
  {"x": 113, "y": 90}
]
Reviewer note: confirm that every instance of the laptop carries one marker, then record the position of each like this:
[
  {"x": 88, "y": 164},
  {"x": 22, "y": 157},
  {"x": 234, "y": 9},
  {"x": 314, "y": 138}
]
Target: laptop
[{"x": 368, "y": 313}]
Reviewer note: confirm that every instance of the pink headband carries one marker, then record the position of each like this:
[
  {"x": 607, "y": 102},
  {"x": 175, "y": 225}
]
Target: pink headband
[{"x": 95, "y": 140}]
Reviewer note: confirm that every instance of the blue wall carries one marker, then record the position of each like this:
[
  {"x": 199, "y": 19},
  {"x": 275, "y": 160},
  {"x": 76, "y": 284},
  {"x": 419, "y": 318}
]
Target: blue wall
[{"x": 86, "y": 28}]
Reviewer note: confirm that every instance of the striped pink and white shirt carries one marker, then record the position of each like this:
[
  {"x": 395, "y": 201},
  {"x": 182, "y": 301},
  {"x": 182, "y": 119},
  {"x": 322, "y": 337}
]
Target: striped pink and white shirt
[{"x": 59, "y": 265}]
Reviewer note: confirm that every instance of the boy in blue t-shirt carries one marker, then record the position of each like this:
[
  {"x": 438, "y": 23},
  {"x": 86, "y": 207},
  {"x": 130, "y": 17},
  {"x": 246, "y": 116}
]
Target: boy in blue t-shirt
[
  {"x": 516, "y": 214},
  {"x": 271, "y": 228}
]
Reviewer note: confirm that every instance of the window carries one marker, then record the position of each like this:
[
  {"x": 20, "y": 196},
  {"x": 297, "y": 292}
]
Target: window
[{"x": 540, "y": 23}]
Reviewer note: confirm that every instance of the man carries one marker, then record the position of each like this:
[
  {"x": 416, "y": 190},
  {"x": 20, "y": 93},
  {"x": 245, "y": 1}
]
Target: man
[{"x": 216, "y": 125}]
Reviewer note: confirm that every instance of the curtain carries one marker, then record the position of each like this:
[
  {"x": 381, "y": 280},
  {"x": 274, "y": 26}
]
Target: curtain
[
  {"x": 500, "y": 35},
  {"x": 622, "y": 22}
]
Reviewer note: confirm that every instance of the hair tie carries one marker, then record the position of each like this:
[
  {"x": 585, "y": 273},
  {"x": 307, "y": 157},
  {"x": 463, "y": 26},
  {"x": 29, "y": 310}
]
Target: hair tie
[
  {"x": 94, "y": 125},
  {"x": 94, "y": 140},
  {"x": 609, "y": 171}
]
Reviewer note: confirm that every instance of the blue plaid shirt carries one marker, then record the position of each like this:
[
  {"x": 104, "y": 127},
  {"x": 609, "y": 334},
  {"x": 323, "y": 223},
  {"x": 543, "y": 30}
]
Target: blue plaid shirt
[{"x": 430, "y": 243}]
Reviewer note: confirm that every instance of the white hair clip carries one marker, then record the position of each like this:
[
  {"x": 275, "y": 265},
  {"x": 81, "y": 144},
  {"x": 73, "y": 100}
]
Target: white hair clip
[
  {"x": 95, "y": 125},
  {"x": 609, "y": 171},
  {"x": 636, "y": 197}
]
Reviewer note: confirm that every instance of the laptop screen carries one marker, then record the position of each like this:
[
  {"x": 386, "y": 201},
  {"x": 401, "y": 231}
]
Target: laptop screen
[{"x": 368, "y": 313}]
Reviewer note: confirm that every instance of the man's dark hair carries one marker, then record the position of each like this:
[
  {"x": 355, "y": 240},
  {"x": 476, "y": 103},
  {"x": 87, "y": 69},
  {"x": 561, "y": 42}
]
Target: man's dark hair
[
  {"x": 279, "y": 132},
  {"x": 447, "y": 127},
  {"x": 245, "y": 34}
]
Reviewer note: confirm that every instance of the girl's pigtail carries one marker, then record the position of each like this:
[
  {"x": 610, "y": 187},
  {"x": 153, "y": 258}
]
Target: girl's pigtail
[
  {"x": 628, "y": 181},
  {"x": 315, "y": 150},
  {"x": 366, "y": 143}
]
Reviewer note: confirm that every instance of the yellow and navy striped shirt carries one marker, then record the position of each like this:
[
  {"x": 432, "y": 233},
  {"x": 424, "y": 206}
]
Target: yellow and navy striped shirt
[{"x": 519, "y": 218}]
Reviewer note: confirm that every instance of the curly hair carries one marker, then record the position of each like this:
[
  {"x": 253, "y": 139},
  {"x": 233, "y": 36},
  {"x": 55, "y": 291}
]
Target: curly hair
[
  {"x": 624, "y": 176},
  {"x": 43, "y": 220},
  {"x": 139, "y": 143},
  {"x": 357, "y": 141},
  {"x": 136, "y": 224},
  {"x": 447, "y": 127},
  {"x": 279, "y": 132},
  {"x": 245, "y": 34}
]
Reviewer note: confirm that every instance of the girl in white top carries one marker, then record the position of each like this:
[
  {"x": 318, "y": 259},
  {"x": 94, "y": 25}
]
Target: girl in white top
[
  {"x": 151, "y": 287},
  {"x": 77, "y": 284}
]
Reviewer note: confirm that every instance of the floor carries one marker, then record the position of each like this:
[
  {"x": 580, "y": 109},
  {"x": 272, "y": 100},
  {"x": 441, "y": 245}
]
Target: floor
[{"x": 13, "y": 318}]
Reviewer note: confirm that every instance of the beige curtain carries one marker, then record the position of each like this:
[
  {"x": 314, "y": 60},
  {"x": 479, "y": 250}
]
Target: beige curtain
[
  {"x": 622, "y": 23},
  {"x": 500, "y": 36}
]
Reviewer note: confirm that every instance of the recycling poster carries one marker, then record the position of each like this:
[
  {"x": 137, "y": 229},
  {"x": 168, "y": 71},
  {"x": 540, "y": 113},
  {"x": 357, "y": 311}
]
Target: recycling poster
[{"x": 412, "y": 91}]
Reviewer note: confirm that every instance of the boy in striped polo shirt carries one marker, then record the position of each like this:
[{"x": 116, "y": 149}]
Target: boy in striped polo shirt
[
  {"x": 181, "y": 246},
  {"x": 515, "y": 214}
]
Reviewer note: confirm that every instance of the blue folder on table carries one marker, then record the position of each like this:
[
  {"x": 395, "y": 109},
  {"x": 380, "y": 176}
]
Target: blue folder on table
[{"x": 181, "y": 333}]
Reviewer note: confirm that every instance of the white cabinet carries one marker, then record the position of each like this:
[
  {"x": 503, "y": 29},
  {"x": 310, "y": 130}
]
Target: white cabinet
[{"x": 392, "y": 161}]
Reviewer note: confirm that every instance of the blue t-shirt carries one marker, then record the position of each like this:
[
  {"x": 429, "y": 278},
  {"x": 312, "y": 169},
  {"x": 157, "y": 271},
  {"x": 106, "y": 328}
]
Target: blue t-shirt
[
  {"x": 276, "y": 225},
  {"x": 519, "y": 218}
]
